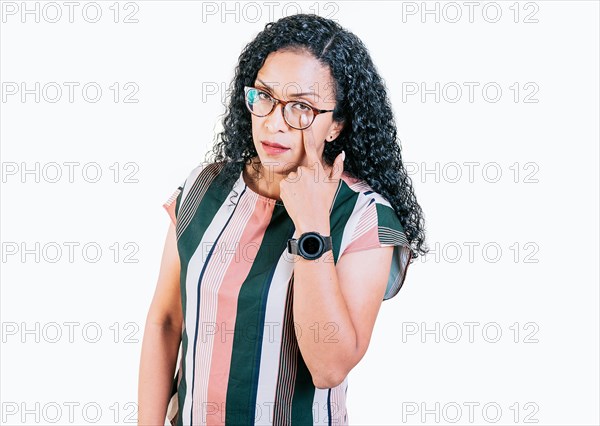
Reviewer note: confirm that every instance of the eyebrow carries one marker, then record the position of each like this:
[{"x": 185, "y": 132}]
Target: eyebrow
[{"x": 296, "y": 95}]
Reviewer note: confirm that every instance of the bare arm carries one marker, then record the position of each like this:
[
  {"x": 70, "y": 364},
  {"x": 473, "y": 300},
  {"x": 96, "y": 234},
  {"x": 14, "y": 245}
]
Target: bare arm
[
  {"x": 162, "y": 336},
  {"x": 335, "y": 308}
]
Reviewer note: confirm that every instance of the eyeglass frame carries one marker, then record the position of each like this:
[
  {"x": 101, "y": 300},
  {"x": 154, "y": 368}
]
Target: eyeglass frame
[{"x": 316, "y": 111}]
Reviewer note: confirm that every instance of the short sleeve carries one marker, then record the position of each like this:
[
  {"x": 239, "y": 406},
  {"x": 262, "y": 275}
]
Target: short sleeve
[
  {"x": 178, "y": 196},
  {"x": 172, "y": 204},
  {"x": 378, "y": 225}
]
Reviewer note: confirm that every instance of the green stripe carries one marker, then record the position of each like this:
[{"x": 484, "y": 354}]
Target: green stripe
[
  {"x": 304, "y": 393},
  {"x": 390, "y": 229},
  {"x": 249, "y": 324}
]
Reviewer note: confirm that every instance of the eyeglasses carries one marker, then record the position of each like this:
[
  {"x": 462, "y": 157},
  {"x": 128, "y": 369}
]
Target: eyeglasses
[{"x": 261, "y": 104}]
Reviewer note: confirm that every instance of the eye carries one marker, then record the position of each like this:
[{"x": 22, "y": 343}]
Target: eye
[
  {"x": 263, "y": 95},
  {"x": 301, "y": 107}
]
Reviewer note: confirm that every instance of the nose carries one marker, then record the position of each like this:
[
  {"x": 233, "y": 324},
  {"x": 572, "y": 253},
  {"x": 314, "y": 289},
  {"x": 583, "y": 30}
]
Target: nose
[{"x": 275, "y": 121}]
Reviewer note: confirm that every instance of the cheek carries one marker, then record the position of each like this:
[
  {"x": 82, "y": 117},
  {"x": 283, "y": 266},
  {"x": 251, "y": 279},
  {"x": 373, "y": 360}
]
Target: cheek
[
  {"x": 320, "y": 134},
  {"x": 255, "y": 129}
]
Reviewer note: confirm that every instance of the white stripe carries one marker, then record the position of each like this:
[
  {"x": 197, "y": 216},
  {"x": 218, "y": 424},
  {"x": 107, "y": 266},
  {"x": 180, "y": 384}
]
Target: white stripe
[
  {"x": 191, "y": 179},
  {"x": 367, "y": 221},
  {"x": 196, "y": 193},
  {"x": 338, "y": 404},
  {"x": 194, "y": 270},
  {"x": 379, "y": 199},
  {"x": 319, "y": 407},
  {"x": 271, "y": 342},
  {"x": 351, "y": 224}
]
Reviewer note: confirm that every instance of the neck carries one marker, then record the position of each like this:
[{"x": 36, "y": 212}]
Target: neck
[{"x": 263, "y": 182}]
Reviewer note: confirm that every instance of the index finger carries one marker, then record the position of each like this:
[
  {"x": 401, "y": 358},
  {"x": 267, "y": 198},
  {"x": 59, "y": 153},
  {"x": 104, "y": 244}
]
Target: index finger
[{"x": 309, "y": 143}]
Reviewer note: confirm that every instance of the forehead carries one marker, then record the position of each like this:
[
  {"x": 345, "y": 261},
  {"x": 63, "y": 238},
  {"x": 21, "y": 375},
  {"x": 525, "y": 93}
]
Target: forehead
[{"x": 294, "y": 72}]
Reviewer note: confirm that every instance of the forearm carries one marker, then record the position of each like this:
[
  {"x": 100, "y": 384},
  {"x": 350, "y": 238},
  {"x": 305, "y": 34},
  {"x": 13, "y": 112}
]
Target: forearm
[
  {"x": 327, "y": 338},
  {"x": 157, "y": 368}
]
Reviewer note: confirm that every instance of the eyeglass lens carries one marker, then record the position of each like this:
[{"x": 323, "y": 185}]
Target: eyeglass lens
[{"x": 261, "y": 104}]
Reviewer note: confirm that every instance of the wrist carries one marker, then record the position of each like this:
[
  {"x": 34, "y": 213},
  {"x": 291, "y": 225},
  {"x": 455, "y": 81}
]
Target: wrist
[
  {"x": 310, "y": 245},
  {"x": 320, "y": 227}
]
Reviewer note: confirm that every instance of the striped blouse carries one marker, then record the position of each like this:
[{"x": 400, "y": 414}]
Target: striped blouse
[{"x": 239, "y": 360}]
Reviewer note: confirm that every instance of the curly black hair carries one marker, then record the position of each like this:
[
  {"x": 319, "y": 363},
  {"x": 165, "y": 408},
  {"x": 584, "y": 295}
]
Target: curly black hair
[{"x": 368, "y": 137}]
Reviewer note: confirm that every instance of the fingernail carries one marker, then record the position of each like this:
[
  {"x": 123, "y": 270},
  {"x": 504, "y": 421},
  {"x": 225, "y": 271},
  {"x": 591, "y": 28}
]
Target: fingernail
[{"x": 343, "y": 155}]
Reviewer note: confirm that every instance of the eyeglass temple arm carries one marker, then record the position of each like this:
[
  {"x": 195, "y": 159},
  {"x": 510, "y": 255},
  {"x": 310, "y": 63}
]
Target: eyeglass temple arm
[{"x": 324, "y": 110}]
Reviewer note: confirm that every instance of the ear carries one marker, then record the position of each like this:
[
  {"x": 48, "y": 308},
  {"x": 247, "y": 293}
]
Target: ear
[{"x": 334, "y": 130}]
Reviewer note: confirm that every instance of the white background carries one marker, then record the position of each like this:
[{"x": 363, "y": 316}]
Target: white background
[{"x": 540, "y": 291}]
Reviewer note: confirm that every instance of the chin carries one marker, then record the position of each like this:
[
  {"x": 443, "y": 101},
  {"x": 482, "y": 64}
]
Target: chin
[{"x": 281, "y": 167}]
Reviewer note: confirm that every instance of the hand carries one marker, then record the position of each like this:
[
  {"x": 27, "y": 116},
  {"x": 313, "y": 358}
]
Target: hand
[{"x": 308, "y": 192}]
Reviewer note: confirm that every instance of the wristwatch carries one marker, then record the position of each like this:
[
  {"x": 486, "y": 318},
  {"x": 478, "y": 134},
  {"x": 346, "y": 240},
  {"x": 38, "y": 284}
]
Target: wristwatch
[{"x": 310, "y": 245}]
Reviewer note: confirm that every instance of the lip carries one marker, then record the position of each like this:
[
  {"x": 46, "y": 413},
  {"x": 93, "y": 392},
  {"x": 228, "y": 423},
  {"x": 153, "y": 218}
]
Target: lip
[
  {"x": 273, "y": 144},
  {"x": 274, "y": 149}
]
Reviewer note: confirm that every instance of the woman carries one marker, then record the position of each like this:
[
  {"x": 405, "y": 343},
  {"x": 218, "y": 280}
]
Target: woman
[{"x": 284, "y": 244}]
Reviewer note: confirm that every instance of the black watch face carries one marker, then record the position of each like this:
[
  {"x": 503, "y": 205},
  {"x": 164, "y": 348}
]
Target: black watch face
[{"x": 312, "y": 245}]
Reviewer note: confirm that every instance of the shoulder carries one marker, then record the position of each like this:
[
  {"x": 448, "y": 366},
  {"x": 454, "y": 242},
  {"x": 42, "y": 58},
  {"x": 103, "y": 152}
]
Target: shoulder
[
  {"x": 201, "y": 176},
  {"x": 196, "y": 180},
  {"x": 360, "y": 196},
  {"x": 202, "y": 171},
  {"x": 373, "y": 223},
  {"x": 362, "y": 189},
  {"x": 369, "y": 218}
]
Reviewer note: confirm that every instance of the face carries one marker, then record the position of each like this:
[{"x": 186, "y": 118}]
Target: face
[{"x": 298, "y": 77}]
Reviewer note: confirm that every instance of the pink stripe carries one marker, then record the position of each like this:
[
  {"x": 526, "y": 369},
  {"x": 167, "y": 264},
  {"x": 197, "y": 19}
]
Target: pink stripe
[
  {"x": 249, "y": 243},
  {"x": 210, "y": 288},
  {"x": 369, "y": 239},
  {"x": 357, "y": 185},
  {"x": 366, "y": 233}
]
